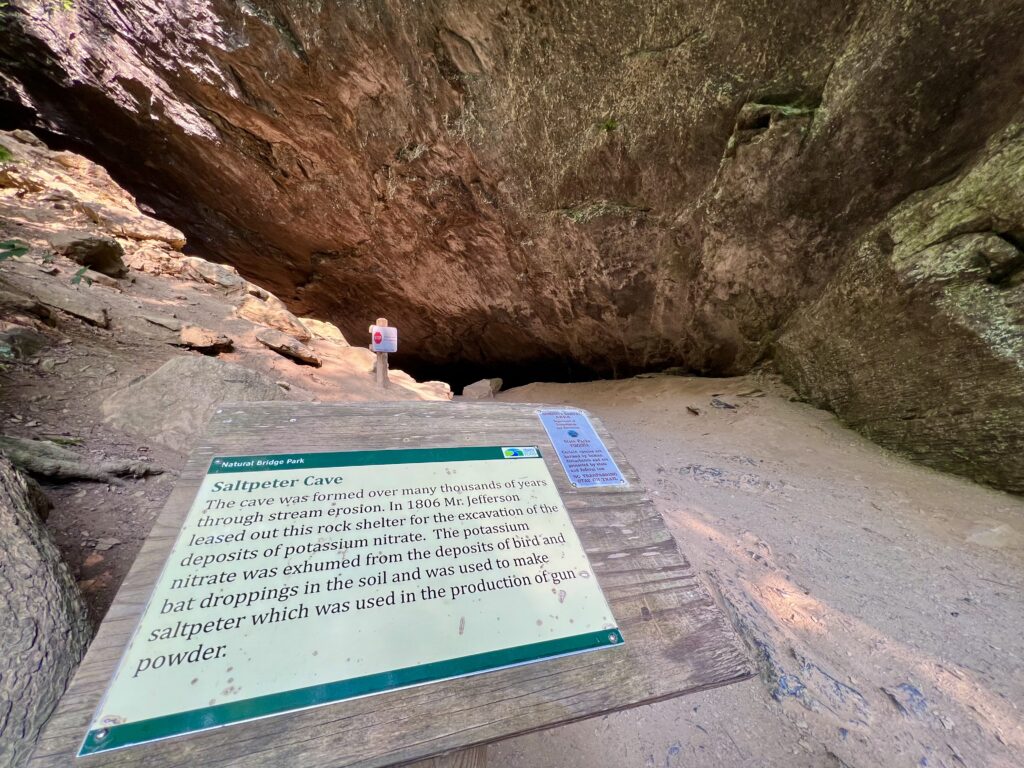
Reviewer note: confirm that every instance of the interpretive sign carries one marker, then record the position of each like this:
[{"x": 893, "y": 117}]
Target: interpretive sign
[
  {"x": 304, "y": 579},
  {"x": 383, "y": 338},
  {"x": 583, "y": 454}
]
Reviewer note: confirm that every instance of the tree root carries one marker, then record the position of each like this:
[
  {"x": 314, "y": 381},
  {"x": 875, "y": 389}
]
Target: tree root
[{"x": 46, "y": 459}]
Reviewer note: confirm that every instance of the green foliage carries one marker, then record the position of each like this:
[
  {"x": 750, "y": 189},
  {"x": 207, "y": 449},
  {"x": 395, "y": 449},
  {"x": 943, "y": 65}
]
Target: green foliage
[
  {"x": 608, "y": 125},
  {"x": 12, "y": 248},
  {"x": 5, "y": 154},
  {"x": 79, "y": 276}
]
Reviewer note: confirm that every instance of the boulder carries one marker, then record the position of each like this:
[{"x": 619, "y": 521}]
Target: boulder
[
  {"x": 220, "y": 275},
  {"x": 482, "y": 390},
  {"x": 172, "y": 405},
  {"x": 272, "y": 312},
  {"x": 45, "y": 629},
  {"x": 156, "y": 258},
  {"x": 324, "y": 330},
  {"x": 284, "y": 344},
  {"x": 102, "y": 254},
  {"x": 134, "y": 225},
  {"x": 204, "y": 340},
  {"x": 80, "y": 302},
  {"x": 918, "y": 342}
]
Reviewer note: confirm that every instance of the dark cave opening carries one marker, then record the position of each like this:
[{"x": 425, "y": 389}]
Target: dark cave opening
[{"x": 459, "y": 373}]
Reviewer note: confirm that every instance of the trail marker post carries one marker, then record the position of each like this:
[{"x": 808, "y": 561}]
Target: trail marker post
[{"x": 383, "y": 339}]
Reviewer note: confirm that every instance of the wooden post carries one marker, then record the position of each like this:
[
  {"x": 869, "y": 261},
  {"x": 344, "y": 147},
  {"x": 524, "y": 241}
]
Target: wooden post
[{"x": 380, "y": 367}]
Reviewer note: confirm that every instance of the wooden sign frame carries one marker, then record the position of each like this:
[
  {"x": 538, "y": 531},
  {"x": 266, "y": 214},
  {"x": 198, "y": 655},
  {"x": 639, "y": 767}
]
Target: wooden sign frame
[{"x": 678, "y": 639}]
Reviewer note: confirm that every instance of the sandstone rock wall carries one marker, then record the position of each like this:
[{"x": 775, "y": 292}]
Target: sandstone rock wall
[
  {"x": 599, "y": 188},
  {"x": 918, "y": 341},
  {"x": 621, "y": 185}
]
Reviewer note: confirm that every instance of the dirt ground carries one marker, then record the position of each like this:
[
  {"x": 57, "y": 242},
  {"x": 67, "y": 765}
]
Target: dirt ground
[{"x": 881, "y": 599}]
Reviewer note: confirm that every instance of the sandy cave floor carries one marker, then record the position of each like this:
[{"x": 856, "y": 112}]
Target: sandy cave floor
[{"x": 882, "y": 600}]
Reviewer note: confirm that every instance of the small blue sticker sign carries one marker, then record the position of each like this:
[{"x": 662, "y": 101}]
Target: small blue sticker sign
[
  {"x": 583, "y": 454},
  {"x": 528, "y": 452}
]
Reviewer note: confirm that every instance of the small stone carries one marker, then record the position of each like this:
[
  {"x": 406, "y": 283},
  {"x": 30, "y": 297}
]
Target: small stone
[
  {"x": 170, "y": 323},
  {"x": 102, "y": 545},
  {"x": 285, "y": 345},
  {"x": 204, "y": 340},
  {"x": 48, "y": 364},
  {"x": 220, "y": 275},
  {"x": 482, "y": 390},
  {"x": 102, "y": 254},
  {"x": 99, "y": 278},
  {"x": 93, "y": 559}
]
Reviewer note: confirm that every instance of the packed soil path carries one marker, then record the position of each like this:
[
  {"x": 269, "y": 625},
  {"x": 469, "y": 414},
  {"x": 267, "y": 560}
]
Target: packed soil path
[{"x": 883, "y": 602}]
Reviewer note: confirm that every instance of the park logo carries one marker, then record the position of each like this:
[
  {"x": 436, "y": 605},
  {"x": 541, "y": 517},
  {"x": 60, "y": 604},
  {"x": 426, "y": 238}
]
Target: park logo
[{"x": 520, "y": 453}]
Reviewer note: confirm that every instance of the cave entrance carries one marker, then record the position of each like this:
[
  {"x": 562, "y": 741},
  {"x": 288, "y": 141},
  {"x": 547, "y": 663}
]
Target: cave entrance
[{"x": 459, "y": 373}]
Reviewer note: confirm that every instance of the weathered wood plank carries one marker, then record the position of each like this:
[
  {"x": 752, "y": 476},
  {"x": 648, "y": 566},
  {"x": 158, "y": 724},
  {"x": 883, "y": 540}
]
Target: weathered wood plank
[
  {"x": 676, "y": 639},
  {"x": 474, "y": 757}
]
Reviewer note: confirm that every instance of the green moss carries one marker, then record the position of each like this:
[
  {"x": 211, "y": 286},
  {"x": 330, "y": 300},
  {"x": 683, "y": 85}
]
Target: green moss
[{"x": 5, "y": 154}]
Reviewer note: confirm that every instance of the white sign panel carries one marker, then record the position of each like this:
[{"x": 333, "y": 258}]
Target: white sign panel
[
  {"x": 383, "y": 338},
  {"x": 582, "y": 452},
  {"x": 305, "y": 579}
]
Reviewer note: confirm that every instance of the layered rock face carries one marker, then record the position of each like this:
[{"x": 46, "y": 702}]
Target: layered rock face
[
  {"x": 918, "y": 340},
  {"x": 600, "y": 187},
  {"x": 534, "y": 180}
]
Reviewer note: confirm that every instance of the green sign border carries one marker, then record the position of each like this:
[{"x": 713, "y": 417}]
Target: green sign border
[
  {"x": 129, "y": 734},
  {"x": 288, "y": 461}
]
